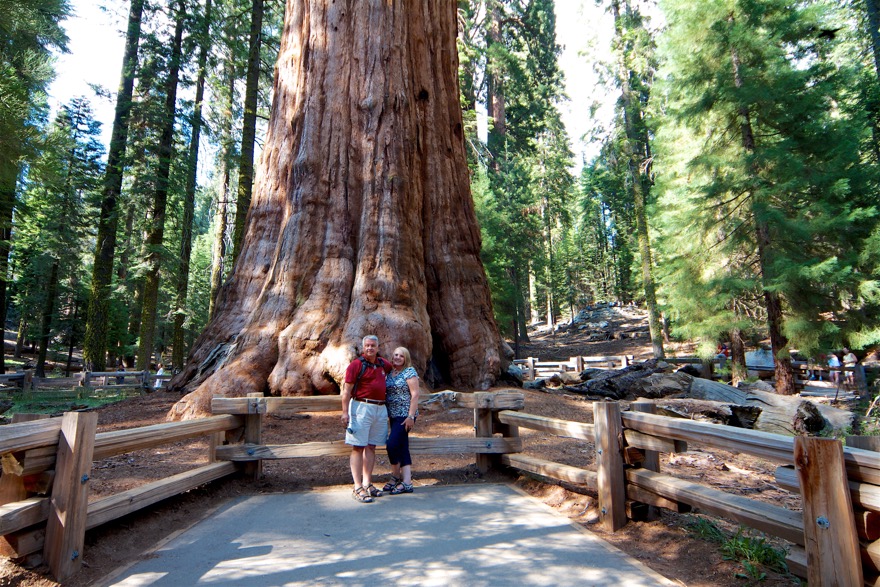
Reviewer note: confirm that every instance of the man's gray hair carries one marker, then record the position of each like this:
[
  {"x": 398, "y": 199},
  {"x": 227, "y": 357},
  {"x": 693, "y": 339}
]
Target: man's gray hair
[{"x": 372, "y": 337}]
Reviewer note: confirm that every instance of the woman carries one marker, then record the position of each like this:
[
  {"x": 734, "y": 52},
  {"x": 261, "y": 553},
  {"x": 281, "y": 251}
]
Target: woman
[{"x": 402, "y": 402}]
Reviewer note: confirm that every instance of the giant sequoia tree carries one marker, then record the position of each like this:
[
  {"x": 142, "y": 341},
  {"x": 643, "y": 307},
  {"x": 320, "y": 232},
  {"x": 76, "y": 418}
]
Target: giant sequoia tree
[{"x": 362, "y": 219}]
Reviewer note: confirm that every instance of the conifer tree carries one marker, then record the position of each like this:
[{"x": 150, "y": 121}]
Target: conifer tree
[
  {"x": 98, "y": 319},
  {"x": 29, "y": 32},
  {"x": 769, "y": 182}
]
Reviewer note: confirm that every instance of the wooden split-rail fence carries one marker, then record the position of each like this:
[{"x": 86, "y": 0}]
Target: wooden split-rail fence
[
  {"x": 836, "y": 539},
  {"x": 535, "y": 368},
  {"x": 21, "y": 379},
  {"x": 103, "y": 379}
]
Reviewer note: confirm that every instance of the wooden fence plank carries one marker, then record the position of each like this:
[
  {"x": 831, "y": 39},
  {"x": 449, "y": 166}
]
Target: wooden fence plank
[
  {"x": 417, "y": 445},
  {"x": 66, "y": 527},
  {"x": 483, "y": 427},
  {"x": 578, "y": 430},
  {"x": 832, "y": 543},
  {"x": 26, "y": 435},
  {"x": 21, "y": 514},
  {"x": 504, "y": 399},
  {"x": 121, "y": 504},
  {"x": 864, "y": 495},
  {"x": 108, "y": 444},
  {"x": 552, "y": 470},
  {"x": 609, "y": 465},
  {"x": 768, "y": 518}
]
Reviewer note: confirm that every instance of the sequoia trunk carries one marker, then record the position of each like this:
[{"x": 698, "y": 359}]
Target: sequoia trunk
[{"x": 362, "y": 220}]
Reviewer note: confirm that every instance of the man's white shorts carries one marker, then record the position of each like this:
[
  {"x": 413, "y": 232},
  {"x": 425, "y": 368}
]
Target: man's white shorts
[{"x": 367, "y": 424}]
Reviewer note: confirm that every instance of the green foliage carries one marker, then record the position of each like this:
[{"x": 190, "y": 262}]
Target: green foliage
[
  {"x": 733, "y": 66},
  {"x": 754, "y": 553}
]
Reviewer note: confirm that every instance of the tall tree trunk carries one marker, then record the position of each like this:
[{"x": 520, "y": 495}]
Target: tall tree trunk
[
  {"x": 156, "y": 221},
  {"x": 9, "y": 171},
  {"x": 218, "y": 250},
  {"x": 46, "y": 323},
  {"x": 177, "y": 345},
  {"x": 95, "y": 343},
  {"x": 19, "y": 339},
  {"x": 738, "y": 370},
  {"x": 634, "y": 149},
  {"x": 71, "y": 340},
  {"x": 783, "y": 371},
  {"x": 362, "y": 220},
  {"x": 249, "y": 129},
  {"x": 872, "y": 10}
]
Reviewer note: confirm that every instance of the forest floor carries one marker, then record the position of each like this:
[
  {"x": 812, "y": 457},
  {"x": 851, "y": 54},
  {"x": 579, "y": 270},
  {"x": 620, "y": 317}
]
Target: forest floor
[{"x": 670, "y": 545}]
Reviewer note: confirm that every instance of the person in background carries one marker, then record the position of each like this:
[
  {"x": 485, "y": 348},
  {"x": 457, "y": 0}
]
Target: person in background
[
  {"x": 834, "y": 365},
  {"x": 160, "y": 371},
  {"x": 849, "y": 361},
  {"x": 402, "y": 401},
  {"x": 364, "y": 415},
  {"x": 120, "y": 366}
]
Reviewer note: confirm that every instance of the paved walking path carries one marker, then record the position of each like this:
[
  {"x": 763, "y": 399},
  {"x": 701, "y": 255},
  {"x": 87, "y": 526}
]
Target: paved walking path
[{"x": 472, "y": 535}]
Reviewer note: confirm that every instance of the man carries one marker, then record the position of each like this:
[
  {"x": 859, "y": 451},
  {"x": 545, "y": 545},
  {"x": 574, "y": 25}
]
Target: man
[{"x": 364, "y": 415}]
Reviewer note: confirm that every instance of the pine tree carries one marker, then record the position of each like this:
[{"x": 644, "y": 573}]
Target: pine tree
[
  {"x": 770, "y": 182},
  {"x": 98, "y": 318},
  {"x": 30, "y": 31}
]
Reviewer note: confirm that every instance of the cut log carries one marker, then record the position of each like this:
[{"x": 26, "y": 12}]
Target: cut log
[{"x": 781, "y": 414}]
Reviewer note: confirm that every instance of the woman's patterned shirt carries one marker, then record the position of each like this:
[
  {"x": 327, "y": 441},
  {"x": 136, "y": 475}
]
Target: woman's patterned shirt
[{"x": 397, "y": 394}]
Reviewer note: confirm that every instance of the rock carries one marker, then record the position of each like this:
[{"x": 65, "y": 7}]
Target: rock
[
  {"x": 536, "y": 384},
  {"x": 516, "y": 371}
]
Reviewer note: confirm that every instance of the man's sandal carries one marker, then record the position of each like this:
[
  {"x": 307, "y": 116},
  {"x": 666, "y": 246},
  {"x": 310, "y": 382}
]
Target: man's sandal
[
  {"x": 402, "y": 488},
  {"x": 371, "y": 489},
  {"x": 392, "y": 484},
  {"x": 362, "y": 495}
]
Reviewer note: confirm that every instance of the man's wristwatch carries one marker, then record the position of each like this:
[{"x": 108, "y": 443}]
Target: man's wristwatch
[{"x": 412, "y": 417}]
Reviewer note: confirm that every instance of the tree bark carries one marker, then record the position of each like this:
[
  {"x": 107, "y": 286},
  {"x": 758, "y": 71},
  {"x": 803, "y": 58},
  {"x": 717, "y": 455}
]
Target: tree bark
[
  {"x": 46, "y": 322},
  {"x": 634, "y": 149},
  {"x": 95, "y": 343},
  {"x": 218, "y": 251},
  {"x": 362, "y": 219},
  {"x": 156, "y": 221}
]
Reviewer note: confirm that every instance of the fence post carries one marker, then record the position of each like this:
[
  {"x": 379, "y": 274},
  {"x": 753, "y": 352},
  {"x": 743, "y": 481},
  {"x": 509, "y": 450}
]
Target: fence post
[
  {"x": 68, "y": 509},
  {"x": 608, "y": 429},
  {"x": 483, "y": 403},
  {"x": 578, "y": 363},
  {"x": 831, "y": 541},
  {"x": 253, "y": 431},
  {"x": 530, "y": 362}
]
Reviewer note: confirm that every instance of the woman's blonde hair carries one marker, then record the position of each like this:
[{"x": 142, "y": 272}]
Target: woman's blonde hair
[{"x": 407, "y": 359}]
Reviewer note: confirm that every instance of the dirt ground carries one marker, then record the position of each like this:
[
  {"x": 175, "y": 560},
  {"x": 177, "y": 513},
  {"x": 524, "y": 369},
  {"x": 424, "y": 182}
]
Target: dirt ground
[{"x": 667, "y": 545}]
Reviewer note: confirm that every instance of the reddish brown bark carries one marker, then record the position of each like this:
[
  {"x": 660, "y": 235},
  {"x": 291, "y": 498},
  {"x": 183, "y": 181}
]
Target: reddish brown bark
[{"x": 362, "y": 219}]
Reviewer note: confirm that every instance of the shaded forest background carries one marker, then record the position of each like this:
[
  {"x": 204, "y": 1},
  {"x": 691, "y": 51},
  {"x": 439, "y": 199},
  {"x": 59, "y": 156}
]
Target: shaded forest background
[{"x": 734, "y": 194}]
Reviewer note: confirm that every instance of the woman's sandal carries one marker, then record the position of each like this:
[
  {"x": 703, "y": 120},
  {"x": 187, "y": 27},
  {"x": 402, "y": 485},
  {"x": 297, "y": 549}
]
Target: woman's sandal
[
  {"x": 371, "y": 489},
  {"x": 402, "y": 487},
  {"x": 392, "y": 484},
  {"x": 362, "y": 495}
]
